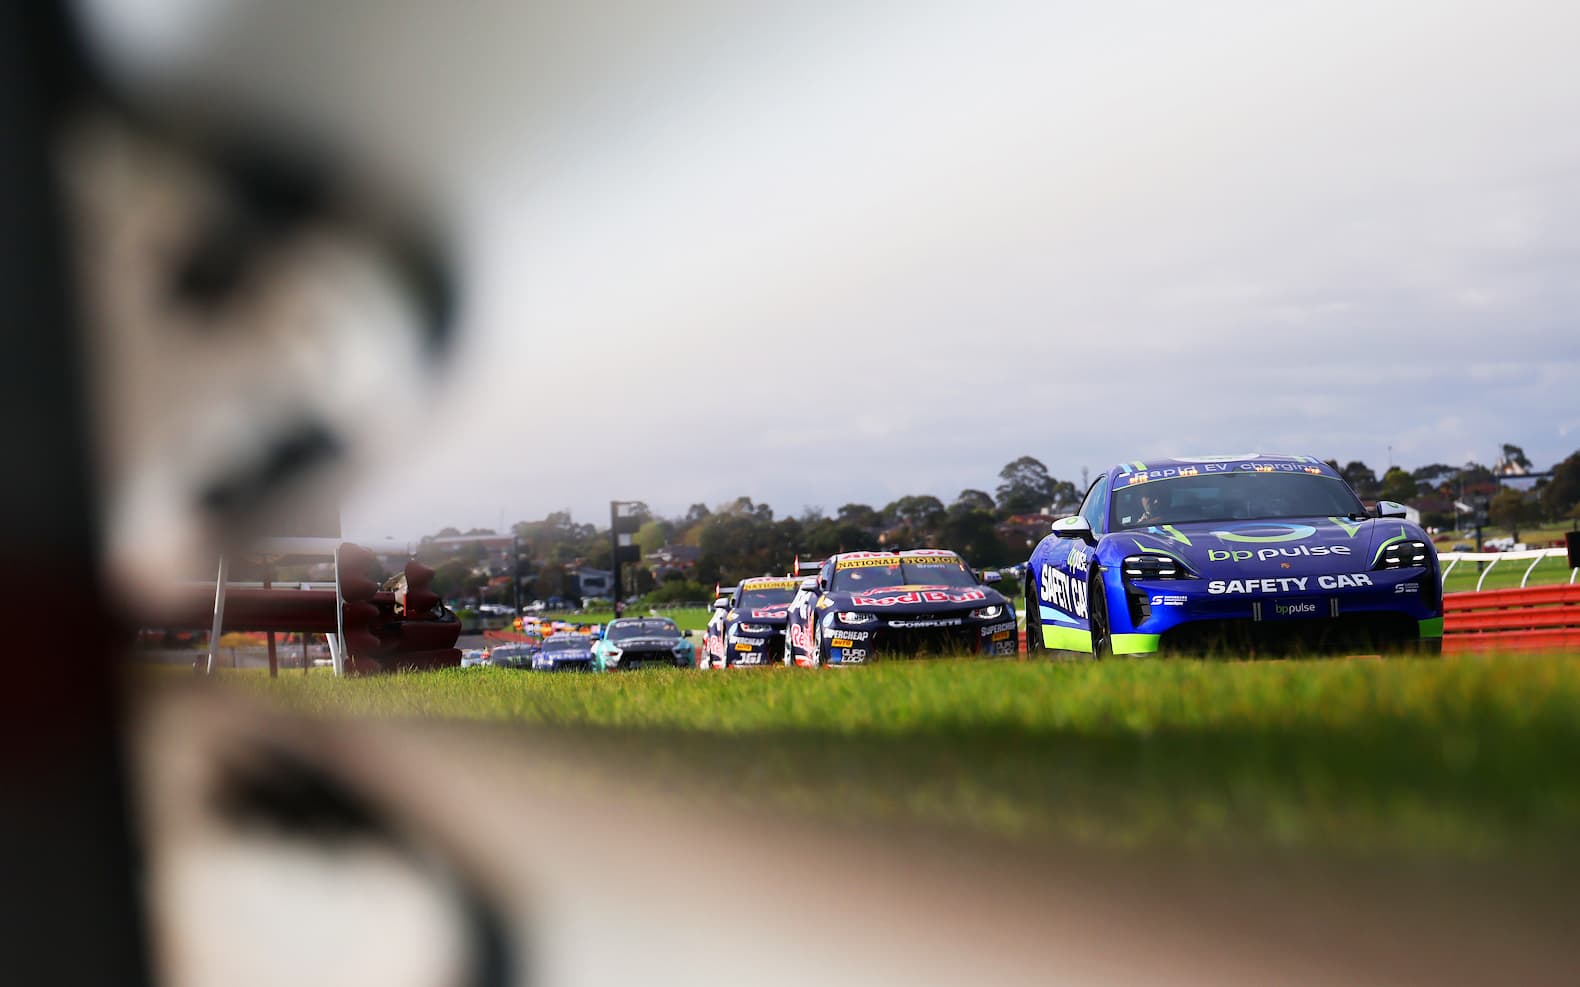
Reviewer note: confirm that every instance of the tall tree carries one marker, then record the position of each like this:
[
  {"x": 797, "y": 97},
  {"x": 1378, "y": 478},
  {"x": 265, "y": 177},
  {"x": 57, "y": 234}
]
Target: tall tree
[
  {"x": 1511, "y": 509},
  {"x": 1434, "y": 475},
  {"x": 1398, "y": 485},
  {"x": 921, "y": 513},
  {"x": 1360, "y": 476},
  {"x": 1514, "y": 456},
  {"x": 1562, "y": 491},
  {"x": 973, "y": 500},
  {"x": 653, "y": 535},
  {"x": 1026, "y": 486},
  {"x": 859, "y": 515}
]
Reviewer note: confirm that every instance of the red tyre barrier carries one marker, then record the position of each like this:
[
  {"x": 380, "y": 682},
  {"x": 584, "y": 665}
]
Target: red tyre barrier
[
  {"x": 510, "y": 636},
  {"x": 1540, "y": 618}
]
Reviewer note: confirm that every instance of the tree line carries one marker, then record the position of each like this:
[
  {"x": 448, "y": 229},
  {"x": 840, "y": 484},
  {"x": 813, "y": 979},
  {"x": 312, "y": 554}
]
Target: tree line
[{"x": 741, "y": 538}]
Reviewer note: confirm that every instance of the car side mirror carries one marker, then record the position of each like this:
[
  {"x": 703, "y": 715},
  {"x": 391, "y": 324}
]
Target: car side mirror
[
  {"x": 809, "y": 584},
  {"x": 1388, "y": 508},
  {"x": 721, "y": 604},
  {"x": 992, "y": 576},
  {"x": 1074, "y": 526}
]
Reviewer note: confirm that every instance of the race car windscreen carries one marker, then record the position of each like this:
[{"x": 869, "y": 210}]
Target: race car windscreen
[
  {"x": 1238, "y": 496},
  {"x": 566, "y": 644},
  {"x": 643, "y": 628},
  {"x": 774, "y": 595},
  {"x": 931, "y": 570}
]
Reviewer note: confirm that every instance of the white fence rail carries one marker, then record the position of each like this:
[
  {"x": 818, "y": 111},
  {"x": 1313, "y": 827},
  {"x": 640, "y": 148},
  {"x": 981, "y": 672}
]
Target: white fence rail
[{"x": 1533, "y": 556}]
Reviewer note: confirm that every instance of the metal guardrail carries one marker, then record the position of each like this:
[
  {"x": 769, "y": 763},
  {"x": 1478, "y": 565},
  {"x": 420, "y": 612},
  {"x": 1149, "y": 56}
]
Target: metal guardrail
[{"x": 1534, "y": 555}]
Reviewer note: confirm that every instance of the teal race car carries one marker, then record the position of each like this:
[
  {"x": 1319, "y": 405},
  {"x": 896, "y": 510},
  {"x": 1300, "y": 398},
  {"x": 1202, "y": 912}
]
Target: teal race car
[{"x": 643, "y": 642}]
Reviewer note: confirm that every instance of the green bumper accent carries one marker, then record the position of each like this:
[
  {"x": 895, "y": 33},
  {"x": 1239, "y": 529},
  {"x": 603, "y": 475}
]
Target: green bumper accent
[
  {"x": 1432, "y": 628},
  {"x": 1135, "y": 644},
  {"x": 1066, "y": 638}
]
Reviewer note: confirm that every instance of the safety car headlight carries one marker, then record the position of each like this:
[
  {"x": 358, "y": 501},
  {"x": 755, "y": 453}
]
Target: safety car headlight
[
  {"x": 988, "y": 613},
  {"x": 754, "y": 628},
  {"x": 1400, "y": 554},
  {"x": 856, "y": 617},
  {"x": 1150, "y": 565}
]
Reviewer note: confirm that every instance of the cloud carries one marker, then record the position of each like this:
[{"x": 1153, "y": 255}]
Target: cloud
[{"x": 872, "y": 250}]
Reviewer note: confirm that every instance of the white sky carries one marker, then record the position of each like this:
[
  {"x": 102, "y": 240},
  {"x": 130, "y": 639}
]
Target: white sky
[{"x": 816, "y": 254}]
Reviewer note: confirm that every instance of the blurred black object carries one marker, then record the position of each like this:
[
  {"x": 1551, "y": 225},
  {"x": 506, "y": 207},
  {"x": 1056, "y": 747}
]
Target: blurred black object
[{"x": 69, "y": 866}]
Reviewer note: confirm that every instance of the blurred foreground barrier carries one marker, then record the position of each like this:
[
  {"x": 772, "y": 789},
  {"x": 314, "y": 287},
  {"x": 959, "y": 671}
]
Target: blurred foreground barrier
[{"x": 1536, "y": 618}]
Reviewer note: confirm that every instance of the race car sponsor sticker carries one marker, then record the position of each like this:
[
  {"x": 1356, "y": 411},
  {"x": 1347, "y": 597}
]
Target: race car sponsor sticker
[
  {"x": 1079, "y": 559},
  {"x": 1167, "y": 600},
  {"x": 1287, "y": 584},
  {"x": 1285, "y": 609},
  {"x": 853, "y": 635},
  {"x": 935, "y": 622},
  {"x": 752, "y": 584},
  {"x": 1062, "y": 592},
  {"x": 868, "y": 562},
  {"x": 799, "y": 638},
  {"x": 848, "y": 656},
  {"x": 993, "y": 629},
  {"x": 842, "y": 642},
  {"x": 920, "y": 596},
  {"x": 771, "y": 613},
  {"x": 1264, "y": 554}
]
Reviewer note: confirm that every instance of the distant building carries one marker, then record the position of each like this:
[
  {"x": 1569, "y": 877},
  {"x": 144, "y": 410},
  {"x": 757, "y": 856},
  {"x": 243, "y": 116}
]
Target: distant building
[{"x": 593, "y": 582}]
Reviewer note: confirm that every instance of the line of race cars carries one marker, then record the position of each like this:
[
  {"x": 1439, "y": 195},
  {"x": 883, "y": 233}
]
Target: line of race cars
[
  {"x": 625, "y": 643},
  {"x": 1245, "y": 554},
  {"x": 1248, "y": 555}
]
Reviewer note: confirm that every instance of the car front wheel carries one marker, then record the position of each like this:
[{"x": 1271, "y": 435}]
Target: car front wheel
[
  {"x": 1097, "y": 615},
  {"x": 1034, "y": 643}
]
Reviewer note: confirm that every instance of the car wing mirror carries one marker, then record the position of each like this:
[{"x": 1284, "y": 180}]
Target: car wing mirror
[
  {"x": 1074, "y": 526},
  {"x": 1391, "y": 509},
  {"x": 809, "y": 584},
  {"x": 992, "y": 576}
]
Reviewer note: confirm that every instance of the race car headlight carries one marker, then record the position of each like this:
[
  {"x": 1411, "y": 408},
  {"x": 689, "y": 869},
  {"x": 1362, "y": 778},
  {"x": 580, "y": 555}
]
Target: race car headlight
[
  {"x": 1400, "y": 554},
  {"x": 1152, "y": 566},
  {"x": 987, "y": 613},
  {"x": 754, "y": 628},
  {"x": 856, "y": 617}
]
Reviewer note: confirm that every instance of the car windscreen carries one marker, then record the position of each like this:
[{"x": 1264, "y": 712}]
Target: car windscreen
[
  {"x": 854, "y": 575},
  {"x": 567, "y": 644},
  {"x": 757, "y": 598},
  {"x": 642, "y": 628},
  {"x": 1238, "y": 496}
]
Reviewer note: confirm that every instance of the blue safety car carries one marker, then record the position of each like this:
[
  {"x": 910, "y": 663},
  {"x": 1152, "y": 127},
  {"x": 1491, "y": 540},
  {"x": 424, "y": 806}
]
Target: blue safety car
[
  {"x": 862, "y": 606},
  {"x": 1253, "y": 554}
]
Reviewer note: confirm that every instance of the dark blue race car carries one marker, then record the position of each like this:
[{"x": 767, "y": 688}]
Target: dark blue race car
[
  {"x": 565, "y": 653},
  {"x": 1249, "y": 554},
  {"x": 749, "y": 629},
  {"x": 863, "y": 606}
]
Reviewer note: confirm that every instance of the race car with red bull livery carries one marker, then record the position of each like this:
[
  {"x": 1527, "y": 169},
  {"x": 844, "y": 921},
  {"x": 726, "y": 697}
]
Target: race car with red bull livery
[
  {"x": 866, "y": 606},
  {"x": 749, "y": 628},
  {"x": 1240, "y": 555}
]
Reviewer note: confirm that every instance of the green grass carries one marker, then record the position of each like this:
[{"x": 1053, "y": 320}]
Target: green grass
[
  {"x": 1453, "y": 759},
  {"x": 686, "y": 618}
]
